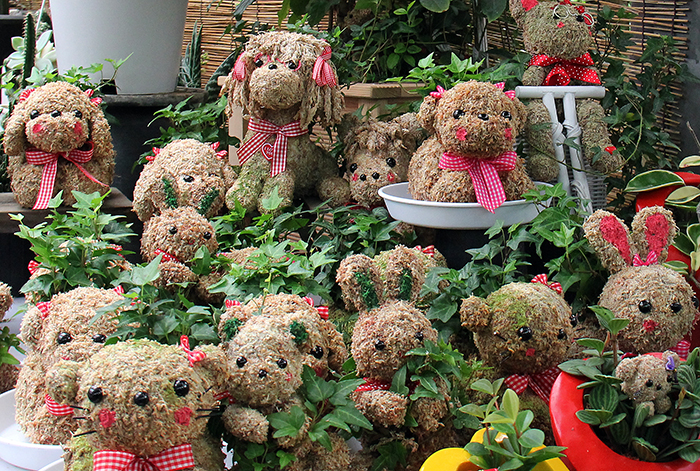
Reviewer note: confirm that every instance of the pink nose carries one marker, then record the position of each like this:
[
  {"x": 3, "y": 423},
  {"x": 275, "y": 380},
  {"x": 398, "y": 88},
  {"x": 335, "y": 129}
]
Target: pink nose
[
  {"x": 37, "y": 128},
  {"x": 509, "y": 133},
  {"x": 461, "y": 134},
  {"x": 78, "y": 128},
  {"x": 560, "y": 24}
]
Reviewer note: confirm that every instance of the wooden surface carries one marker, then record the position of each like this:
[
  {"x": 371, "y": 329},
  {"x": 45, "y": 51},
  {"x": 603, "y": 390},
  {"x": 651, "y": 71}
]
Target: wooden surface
[{"x": 115, "y": 203}]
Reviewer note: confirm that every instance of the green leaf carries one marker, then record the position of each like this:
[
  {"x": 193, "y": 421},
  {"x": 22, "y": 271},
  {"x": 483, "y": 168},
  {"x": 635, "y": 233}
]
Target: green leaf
[
  {"x": 683, "y": 195},
  {"x": 484, "y": 386},
  {"x": 693, "y": 232},
  {"x": 641, "y": 412},
  {"x": 511, "y": 404},
  {"x": 524, "y": 419},
  {"x": 689, "y": 454},
  {"x": 392, "y": 61},
  {"x": 655, "y": 420},
  {"x": 593, "y": 417},
  {"x": 317, "y": 389},
  {"x": 285, "y": 458},
  {"x": 603, "y": 397},
  {"x": 437, "y": 6},
  {"x": 532, "y": 438},
  {"x": 398, "y": 382},
  {"x": 142, "y": 276},
  {"x": 690, "y": 161},
  {"x": 442, "y": 308},
  {"x": 287, "y": 424},
  {"x": 322, "y": 437},
  {"x": 595, "y": 344},
  {"x": 498, "y": 417},
  {"x": 493, "y": 9},
  {"x": 350, "y": 415},
  {"x": 652, "y": 180},
  {"x": 273, "y": 202}
]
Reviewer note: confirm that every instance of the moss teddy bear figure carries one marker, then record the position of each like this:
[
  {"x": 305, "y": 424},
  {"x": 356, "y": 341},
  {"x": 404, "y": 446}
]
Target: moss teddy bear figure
[
  {"x": 645, "y": 379},
  {"x": 469, "y": 156},
  {"x": 558, "y": 35},
  {"x": 8, "y": 372},
  {"x": 658, "y": 302},
  {"x": 186, "y": 172},
  {"x": 377, "y": 154},
  {"x": 523, "y": 331},
  {"x": 62, "y": 328},
  {"x": 144, "y": 406},
  {"x": 285, "y": 82},
  {"x": 57, "y": 138}
]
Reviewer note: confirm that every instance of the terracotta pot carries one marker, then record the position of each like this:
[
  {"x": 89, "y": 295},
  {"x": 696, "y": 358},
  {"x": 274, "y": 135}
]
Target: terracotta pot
[{"x": 585, "y": 450}]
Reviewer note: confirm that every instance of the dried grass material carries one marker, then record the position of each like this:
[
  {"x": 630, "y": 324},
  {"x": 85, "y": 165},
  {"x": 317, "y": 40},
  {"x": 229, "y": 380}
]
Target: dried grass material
[
  {"x": 358, "y": 278},
  {"x": 8, "y": 373},
  {"x": 71, "y": 313},
  {"x": 5, "y": 299},
  {"x": 58, "y": 117}
]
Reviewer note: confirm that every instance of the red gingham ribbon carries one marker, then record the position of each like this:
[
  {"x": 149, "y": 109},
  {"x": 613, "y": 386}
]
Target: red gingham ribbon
[
  {"x": 222, "y": 154},
  {"x": 542, "y": 278},
  {"x": 166, "y": 256},
  {"x": 429, "y": 250},
  {"x": 59, "y": 410},
  {"x": 172, "y": 459},
  {"x": 50, "y": 162},
  {"x": 32, "y": 266},
  {"x": 309, "y": 300},
  {"x": 565, "y": 70},
  {"x": 540, "y": 383},
  {"x": 231, "y": 302},
  {"x": 323, "y": 312},
  {"x": 509, "y": 93},
  {"x": 119, "y": 289},
  {"x": 97, "y": 101},
  {"x": 323, "y": 72},
  {"x": 652, "y": 259},
  {"x": 484, "y": 175},
  {"x": 437, "y": 94},
  {"x": 682, "y": 348},
  {"x": 192, "y": 355},
  {"x": 239, "y": 69},
  {"x": 263, "y": 130},
  {"x": 374, "y": 385},
  {"x": 44, "y": 308}
]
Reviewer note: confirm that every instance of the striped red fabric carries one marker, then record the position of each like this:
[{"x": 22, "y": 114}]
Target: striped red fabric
[
  {"x": 32, "y": 266},
  {"x": 172, "y": 459},
  {"x": 323, "y": 72},
  {"x": 278, "y": 154},
  {"x": 542, "y": 278},
  {"x": 59, "y": 410},
  {"x": 652, "y": 259},
  {"x": 540, "y": 383},
  {"x": 44, "y": 307},
  {"x": 192, "y": 355},
  {"x": 231, "y": 302}
]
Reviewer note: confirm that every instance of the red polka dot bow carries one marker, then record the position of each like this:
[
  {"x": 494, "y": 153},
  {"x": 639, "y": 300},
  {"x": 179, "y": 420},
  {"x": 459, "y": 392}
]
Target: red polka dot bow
[
  {"x": 277, "y": 153},
  {"x": 323, "y": 72},
  {"x": 172, "y": 459},
  {"x": 50, "y": 162},
  {"x": 192, "y": 355},
  {"x": 166, "y": 257},
  {"x": 565, "y": 70},
  {"x": 484, "y": 174},
  {"x": 542, "y": 278},
  {"x": 540, "y": 383}
]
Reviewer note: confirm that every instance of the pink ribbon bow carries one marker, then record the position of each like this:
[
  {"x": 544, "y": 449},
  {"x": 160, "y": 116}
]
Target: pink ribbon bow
[
  {"x": 323, "y": 72},
  {"x": 263, "y": 130},
  {"x": 652, "y": 259},
  {"x": 540, "y": 383},
  {"x": 50, "y": 162},
  {"x": 542, "y": 278},
  {"x": 221, "y": 154},
  {"x": 192, "y": 355},
  {"x": 484, "y": 174},
  {"x": 565, "y": 70},
  {"x": 59, "y": 410},
  {"x": 172, "y": 459}
]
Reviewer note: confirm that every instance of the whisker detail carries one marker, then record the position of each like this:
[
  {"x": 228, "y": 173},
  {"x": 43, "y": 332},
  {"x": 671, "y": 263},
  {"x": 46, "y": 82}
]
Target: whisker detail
[{"x": 84, "y": 433}]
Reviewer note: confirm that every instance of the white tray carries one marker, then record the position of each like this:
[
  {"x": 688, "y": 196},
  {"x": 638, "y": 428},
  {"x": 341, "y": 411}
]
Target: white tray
[
  {"x": 15, "y": 449},
  {"x": 438, "y": 215}
]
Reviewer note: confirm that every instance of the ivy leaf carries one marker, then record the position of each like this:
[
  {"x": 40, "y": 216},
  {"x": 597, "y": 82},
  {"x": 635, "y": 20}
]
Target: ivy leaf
[
  {"x": 317, "y": 389},
  {"x": 287, "y": 424},
  {"x": 442, "y": 308},
  {"x": 437, "y": 6},
  {"x": 285, "y": 458},
  {"x": 350, "y": 415},
  {"x": 398, "y": 382}
]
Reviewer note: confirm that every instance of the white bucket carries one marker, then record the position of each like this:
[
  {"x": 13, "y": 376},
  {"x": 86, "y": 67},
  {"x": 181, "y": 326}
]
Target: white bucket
[{"x": 90, "y": 31}]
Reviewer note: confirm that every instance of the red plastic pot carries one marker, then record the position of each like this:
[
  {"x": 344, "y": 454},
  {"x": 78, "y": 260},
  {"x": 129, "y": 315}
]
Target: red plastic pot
[{"x": 585, "y": 450}]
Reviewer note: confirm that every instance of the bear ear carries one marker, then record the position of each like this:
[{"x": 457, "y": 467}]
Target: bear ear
[
  {"x": 426, "y": 114},
  {"x": 404, "y": 274},
  {"x": 627, "y": 369},
  {"x": 518, "y": 9},
  {"x": 5, "y": 299},
  {"x": 215, "y": 364},
  {"x": 62, "y": 381},
  {"x": 610, "y": 239},
  {"x": 346, "y": 128},
  {"x": 653, "y": 230},
  {"x": 360, "y": 283},
  {"x": 408, "y": 130},
  {"x": 231, "y": 320},
  {"x": 33, "y": 324},
  {"x": 475, "y": 314}
]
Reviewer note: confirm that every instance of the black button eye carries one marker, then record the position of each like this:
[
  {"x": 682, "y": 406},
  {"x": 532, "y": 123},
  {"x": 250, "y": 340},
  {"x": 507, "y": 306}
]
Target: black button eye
[
  {"x": 78, "y": 114},
  {"x": 419, "y": 335},
  {"x": 173, "y": 230},
  {"x": 141, "y": 398},
  {"x": 262, "y": 374},
  {"x": 561, "y": 335},
  {"x": 34, "y": 114},
  {"x": 658, "y": 387},
  {"x": 241, "y": 361},
  {"x": 99, "y": 338},
  {"x": 649, "y": 383},
  {"x": 507, "y": 115},
  {"x": 525, "y": 333},
  {"x": 292, "y": 65},
  {"x": 458, "y": 114},
  {"x": 580, "y": 18},
  {"x": 375, "y": 175},
  {"x": 676, "y": 307},
  {"x": 95, "y": 394},
  {"x": 573, "y": 318},
  {"x": 391, "y": 162},
  {"x": 644, "y": 306},
  {"x": 353, "y": 167},
  {"x": 55, "y": 114},
  {"x": 282, "y": 363},
  {"x": 379, "y": 345},
  {"x": 63, "y": 338},
  {"x": 363, "y": 177},
  {"x": 188, "y": 178},
  {"x": 181, "y": 387},
  {"x": 258, "y": 63},
  {"x": 272, "y": 66},
  {"x": 317, "y": 352},
  {"x": 483, "y": 116},
  {"x": 695, "y": 302},
  {"x": 207, "y": 235}
]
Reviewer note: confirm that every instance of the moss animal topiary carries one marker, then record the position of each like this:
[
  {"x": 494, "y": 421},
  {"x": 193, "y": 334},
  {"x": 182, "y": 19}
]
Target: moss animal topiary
[
  {"x": 62, "y": 328},
  {"x": 469, "y": 156},
  {"x": 186, "y": 172},
  {"x": 57, "y": 138},
  {"x": 646, "y": 380},
  {"x": 8, "y": 372},
  {"x": 658, "y": 302},
  {"x": 558, "y": 35},
  {"x": 285, "y": 82}
]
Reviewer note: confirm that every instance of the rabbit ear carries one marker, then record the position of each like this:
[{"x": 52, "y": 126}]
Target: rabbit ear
[
  {"x": 610, "y": 238},
  {"x": 653, "y": 230},
  {"x": 359, "y": 280},
  {"x": 404, "y": 273}
]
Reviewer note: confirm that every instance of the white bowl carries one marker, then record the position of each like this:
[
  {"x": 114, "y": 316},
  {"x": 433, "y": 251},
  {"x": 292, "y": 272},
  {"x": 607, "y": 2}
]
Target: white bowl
[
  {"x": 15, "y": 448},
  {"x": 55, "y": 466},
  {"x": 438, "y": 215}
]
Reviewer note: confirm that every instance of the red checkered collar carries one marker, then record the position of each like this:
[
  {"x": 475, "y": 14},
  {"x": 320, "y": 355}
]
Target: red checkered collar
[{"x": 173, "y": 459}]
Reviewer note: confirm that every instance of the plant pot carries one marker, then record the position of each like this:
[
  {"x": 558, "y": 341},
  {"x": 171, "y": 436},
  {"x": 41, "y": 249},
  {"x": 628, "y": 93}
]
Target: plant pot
[
  {"x": 151, "y": 31},
  {"x": 585, "y": 450}
]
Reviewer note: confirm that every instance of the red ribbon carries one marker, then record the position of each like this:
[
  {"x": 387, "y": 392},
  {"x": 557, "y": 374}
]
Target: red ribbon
[
  {"x": 323, "y": 72},
  {"x": 50, "y": 162},
  {"x": 33, "y": 266},
  {"x": 429, "y": 250},
  {"x": 565, "y": 70},
  {"x": 682, "y": 348},
  {"x": 263, "y": 130},
  {"x": 540, "y": 383},
  {"x": 59, "y": 410},
  {"x": 542, "y": 278},
  {"x": 652, "y": 259},
  {"x": 484, "y": 174},
  {"x": 323, "y": 312},
  {"x": 437, "y": 94},
  {"x": 172, "y": 459},
  {"x": 374, "y": 385},
  {"x": 509, "y": 93},
  {"x": 166, "y": 256},
  {"x": 192, "y": 355},
  {"x": 44, "y": 308},
  {"x": 231, "y": 302}
]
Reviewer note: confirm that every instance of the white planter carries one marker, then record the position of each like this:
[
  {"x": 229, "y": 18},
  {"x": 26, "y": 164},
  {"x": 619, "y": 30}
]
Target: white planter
[{"x": 90, "y": 31}]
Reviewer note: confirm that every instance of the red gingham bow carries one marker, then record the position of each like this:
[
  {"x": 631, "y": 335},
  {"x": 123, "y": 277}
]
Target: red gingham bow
[
  {"x": 32, "y": 266},
  {"x": 682, "y": 348},
  {"x": 166, "y": 256},
  {"x": 50, "y": 162},
  {"x": 44, "y": 308},
  {"x": 565, "y": 70},
  {"x": 229, "y": 303},
  {"x": 172, "y": 459},
  {"x": 55, "y": 408},
  {"x": 323, "y": 72},
  {"x": 652, "y": 259},
  {"x": 119, "y": 289},
  {"x": 540, "y": 383},
  {"x": 192, "y": 355},
  {"x": 25, "y": 94},
  {"x": 97, "y": 101},
  {"x": 309, "y": 300},
  {"x": 542, "y": 278},
  {"x": 263, "y": 130},
  {"x": 323, "y": 312},
  {"x": 484, "y": 175},
  {"x": 429, "y": 250},
  {"x": 222, "y": 154}
]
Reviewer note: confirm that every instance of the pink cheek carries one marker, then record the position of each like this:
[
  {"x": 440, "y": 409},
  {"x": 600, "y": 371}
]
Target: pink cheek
[
  {"x": 78, "y": 128},
  {"x": 391, "y": 177},
  {"x": 509, "y": 133},
  {"x": 461, "y": 133},
  {"x": 183, "y": 416},
  {"x": 354, "y": 177},
  {"x": 107, "y": 418},
  {"x": 289, "y": 377},
  {"x": 37, "y": 128},
  {"x": 530, "y": 352},
  {"x": 560, "y": 24}
]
